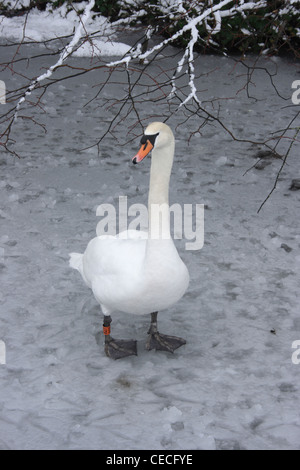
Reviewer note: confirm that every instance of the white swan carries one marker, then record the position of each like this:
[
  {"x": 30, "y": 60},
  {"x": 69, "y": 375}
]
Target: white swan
[{"x": 135, "y": 273}]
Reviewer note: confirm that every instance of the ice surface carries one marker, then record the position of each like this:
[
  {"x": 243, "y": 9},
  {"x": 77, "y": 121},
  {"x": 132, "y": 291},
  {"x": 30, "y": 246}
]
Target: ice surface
[{"x": 233, "y": 386}]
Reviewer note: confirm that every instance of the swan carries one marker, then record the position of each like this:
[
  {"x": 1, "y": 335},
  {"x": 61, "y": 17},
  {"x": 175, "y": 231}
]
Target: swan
[{"x": 137, "y": 272}]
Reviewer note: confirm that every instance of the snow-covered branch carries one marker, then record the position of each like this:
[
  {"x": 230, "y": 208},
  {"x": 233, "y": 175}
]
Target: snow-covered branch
[{"x": 215, "y": 13}]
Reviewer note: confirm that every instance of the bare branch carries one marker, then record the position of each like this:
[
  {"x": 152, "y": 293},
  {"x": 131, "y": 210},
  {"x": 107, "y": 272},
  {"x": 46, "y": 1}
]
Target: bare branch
[{"x": 293, "y": 140}]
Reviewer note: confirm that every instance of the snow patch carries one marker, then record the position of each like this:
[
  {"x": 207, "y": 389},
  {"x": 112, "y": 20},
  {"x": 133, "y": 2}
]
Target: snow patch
[{"x": 51, "y": 24}]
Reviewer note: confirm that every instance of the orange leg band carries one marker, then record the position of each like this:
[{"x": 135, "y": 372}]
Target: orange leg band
[{"x": 106, "y": 330}]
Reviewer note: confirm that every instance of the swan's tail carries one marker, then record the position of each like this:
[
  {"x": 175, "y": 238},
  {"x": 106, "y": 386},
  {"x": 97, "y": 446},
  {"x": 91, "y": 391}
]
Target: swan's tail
[{"x": 75, "y": 261}]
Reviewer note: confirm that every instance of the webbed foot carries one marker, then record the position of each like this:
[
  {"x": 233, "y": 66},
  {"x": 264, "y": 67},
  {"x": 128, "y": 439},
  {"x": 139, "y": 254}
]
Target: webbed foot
[
  {"x": 118, "y": 348},
  {"x": 164, "y": 342}
]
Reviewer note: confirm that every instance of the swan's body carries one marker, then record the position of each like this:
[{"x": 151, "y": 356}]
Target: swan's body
[
  {"x": 129, "y": 275},
  {"x": 138, "y": 272}
]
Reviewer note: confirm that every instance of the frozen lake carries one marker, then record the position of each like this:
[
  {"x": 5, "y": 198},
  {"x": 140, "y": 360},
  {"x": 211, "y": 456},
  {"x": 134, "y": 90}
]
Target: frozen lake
[{"x": 234, "y": 385}]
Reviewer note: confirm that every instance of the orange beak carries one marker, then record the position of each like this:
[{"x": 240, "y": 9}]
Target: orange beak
[{"x": 143, "y": 152}]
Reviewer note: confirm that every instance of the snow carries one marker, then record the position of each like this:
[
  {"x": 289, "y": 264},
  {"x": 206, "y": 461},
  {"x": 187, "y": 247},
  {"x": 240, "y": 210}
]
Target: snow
[
  {"x": 48, "y": 25},
  {"x": 234, "y": 385},
  {"x": 102, "y": 48}
]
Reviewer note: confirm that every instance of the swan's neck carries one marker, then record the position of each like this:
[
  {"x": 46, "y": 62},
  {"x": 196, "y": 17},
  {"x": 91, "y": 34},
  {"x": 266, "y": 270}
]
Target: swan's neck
[{"x": 158, "y": 201}]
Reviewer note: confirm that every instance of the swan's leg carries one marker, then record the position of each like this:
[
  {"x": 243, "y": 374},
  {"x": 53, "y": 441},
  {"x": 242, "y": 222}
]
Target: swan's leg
[
  {"x": 117, "y": 348},
  {"x": 162, "y": 342}
]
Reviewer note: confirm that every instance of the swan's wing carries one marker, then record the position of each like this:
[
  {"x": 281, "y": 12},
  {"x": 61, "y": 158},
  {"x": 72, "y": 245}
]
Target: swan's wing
[{"x": 118, "y": 256}]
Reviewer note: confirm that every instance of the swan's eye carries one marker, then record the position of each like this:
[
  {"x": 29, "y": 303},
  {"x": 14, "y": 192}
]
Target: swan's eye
[
  {"x": 143, "y": 140},
  {"x": 148, "y": 138}
]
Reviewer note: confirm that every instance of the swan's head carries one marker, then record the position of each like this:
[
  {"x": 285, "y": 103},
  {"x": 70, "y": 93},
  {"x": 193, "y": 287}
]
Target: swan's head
[{"x": 157, "y": 136}]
